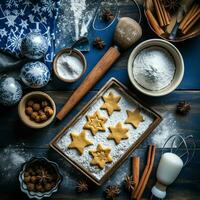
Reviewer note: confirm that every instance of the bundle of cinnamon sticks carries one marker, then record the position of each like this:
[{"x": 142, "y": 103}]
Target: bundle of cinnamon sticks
[
  {"x": 140, "y": 183},
  {"x": 163, "y": 21},
  {"x": 162, "y": 14},
  {"x": 190, "y": 19}
]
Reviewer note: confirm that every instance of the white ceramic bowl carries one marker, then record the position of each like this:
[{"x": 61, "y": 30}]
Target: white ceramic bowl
[{"x": 178, "y": 59}]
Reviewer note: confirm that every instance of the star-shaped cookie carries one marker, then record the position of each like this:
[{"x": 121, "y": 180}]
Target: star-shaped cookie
[
  {"x": 111, "y": 103},
  {"x": 118, "y": 133},
  {"x": 95, "y": 123},
  {"x": 79, "y": 142},
  {"x": 101, "y": 156},
  {"x": 134, "y": 117}
]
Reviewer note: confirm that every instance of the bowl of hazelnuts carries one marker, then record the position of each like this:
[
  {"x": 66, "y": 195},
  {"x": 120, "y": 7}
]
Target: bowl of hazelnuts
[
  {"x": 39, "y": 178},
  {"x": 37, "y": 109}
]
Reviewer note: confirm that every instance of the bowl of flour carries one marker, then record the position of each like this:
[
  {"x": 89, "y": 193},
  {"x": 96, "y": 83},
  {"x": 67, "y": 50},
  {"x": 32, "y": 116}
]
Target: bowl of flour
[{"x": 155, "y": 67}]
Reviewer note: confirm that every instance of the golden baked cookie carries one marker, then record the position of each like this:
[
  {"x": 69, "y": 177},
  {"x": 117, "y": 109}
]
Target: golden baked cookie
[
  {"x": 134, "y": 117},
  {"x": 79, "y": 142},
  {"x": 95, "y": 123},
  {"x": 111, "y": 103},
  {"x": 101, "y": 156},
  {"x": 118, "y": 133}
]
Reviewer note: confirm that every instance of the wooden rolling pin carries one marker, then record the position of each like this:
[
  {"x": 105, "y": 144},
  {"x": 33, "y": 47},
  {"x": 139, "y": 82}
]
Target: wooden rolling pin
[{"x": 127, "y": 32}]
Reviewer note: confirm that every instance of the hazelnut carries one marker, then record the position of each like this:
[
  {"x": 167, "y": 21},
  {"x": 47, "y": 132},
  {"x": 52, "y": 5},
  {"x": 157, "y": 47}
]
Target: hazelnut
[
  {"x": 48, "y": 111},
  {"x": 31, "y": 186},
  {"x": 29, "y": 110},
  {"x": 30, "y": 103},
  {"x": 43, "y": 117},
  {"x": 33, "y": 179},
  {"x": 47, "y": 186},
  {"x": 26, "y": 174},
  {"x": 41, "y": 112},
  {"x": 34, "y": 115},
  {"x": 27, "y": 179},
  {"x": 44, "y": 104},
  {"x": 36, "y": 106},
  {"x": 37, "y": 119},
  {"x": 42, "y": 189},
  {"x": 38, "y": 187}
]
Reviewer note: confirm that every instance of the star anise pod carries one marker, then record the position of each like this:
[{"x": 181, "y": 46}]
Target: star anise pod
[
  {"x": 129, "y": 183},
  {"x": 171, "y": 5},
  {"x": 183, "y": 107},
  {"x": 112, "y": 192},
  {"x": 107, "y": 15},
  {"x": 99, "y": 43},
  {"x": 43, "y": 176},
  {"x": 82, "y": 186}
]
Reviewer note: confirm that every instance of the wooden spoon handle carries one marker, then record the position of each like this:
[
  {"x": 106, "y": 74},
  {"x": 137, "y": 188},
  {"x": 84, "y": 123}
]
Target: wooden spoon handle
[{"x": 92, "y": 78}]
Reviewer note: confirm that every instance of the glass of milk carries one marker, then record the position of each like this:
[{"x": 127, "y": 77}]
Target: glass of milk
[{"x": 169, "y": 168}]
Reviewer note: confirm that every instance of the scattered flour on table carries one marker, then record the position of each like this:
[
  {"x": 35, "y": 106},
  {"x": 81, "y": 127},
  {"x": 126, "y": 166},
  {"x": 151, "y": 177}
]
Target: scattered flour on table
[
  {"x": 12, "y": 158},
  {"x": 166, "y": 129}
]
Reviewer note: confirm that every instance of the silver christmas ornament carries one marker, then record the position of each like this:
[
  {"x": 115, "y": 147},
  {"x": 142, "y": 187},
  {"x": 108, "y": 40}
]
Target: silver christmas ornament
[
  {"x": 10, "y": 91},
  {"x": 35, "y": 74},
  {"x": 34, "y": 45}
]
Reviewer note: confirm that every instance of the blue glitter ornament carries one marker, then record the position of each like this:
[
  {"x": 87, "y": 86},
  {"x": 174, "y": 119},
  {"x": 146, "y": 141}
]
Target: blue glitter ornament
[
  {"x": 34, "y": 46},
  {"x": 35, "y": 74},
  {"x": 10, "y": 91}
]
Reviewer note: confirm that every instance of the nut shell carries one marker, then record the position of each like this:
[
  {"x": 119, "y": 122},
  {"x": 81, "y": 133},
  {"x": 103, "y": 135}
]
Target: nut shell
[
  {"x": 36, "y": 106},
  {"x": 29, "y": 110}
]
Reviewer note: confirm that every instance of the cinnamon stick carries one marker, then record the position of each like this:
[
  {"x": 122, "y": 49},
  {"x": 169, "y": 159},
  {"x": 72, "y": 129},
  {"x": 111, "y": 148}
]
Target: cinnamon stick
[
  {"x": 187, "y": 16},
  {"x": 136, "y": 170},
  {"x": 184, "y": 31},
  {"x": 140, "y": 185},
  {"x": 154, "y": 23},
  {"x": 158, "y": 12},
  {"x": 165, "y": 16},
  {"x": 148, "y": 174}
]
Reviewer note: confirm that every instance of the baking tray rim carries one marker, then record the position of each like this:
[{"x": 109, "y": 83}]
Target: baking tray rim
[{"x": 145, "y": 134}]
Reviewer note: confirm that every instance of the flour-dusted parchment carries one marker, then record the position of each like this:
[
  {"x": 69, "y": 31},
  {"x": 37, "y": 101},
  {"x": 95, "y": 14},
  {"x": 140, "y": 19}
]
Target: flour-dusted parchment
[{"x": 117, "y": 151}]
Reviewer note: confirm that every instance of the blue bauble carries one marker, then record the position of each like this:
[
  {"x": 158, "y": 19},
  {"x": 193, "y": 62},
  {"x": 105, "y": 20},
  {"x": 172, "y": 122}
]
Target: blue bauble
[
  {"x": 10, "y": 91},
  {"x": 35, "y": 74},
  {"x": 34, "y": 45}
]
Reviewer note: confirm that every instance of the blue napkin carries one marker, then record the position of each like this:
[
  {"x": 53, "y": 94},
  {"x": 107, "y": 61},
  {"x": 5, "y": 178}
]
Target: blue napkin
[{"x": 19, "y": 17}]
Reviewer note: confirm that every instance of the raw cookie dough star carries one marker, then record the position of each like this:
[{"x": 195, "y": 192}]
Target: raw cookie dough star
[
  {"x": 101, "y": 156},
  {"x": 79, "y": 142},
  {"x": 111, "y": 103},
  {"x": 95, "y": 123},
  {"x": 118, "y": 133},
  {"x": 134, "y": 117}
]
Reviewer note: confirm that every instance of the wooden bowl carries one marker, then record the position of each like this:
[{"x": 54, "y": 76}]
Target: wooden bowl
[
  {"x": 193, "y": 32},
  {"x": 26, "y": 119}
]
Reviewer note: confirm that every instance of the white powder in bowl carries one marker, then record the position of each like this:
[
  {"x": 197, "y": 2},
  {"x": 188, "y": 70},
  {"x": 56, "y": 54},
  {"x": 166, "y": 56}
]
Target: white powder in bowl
[
  {"x": 69, "y": 67},
  {"x": 154, "y": 68}
]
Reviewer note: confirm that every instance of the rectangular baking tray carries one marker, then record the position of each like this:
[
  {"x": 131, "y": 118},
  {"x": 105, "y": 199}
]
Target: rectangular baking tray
[{"x": 110, "y": 84}]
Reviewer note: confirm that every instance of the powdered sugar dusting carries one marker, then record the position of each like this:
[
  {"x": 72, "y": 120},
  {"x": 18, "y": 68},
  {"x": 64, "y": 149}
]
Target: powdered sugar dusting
[
  {"x": 166, "y": 129},
  {"x": 117, "y": 151},
  {"x": 12, "y": 157}
]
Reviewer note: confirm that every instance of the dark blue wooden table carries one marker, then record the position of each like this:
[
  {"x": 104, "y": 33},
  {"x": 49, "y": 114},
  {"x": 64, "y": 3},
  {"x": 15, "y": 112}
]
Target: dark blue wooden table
[{"x": 35, "y": 143}]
